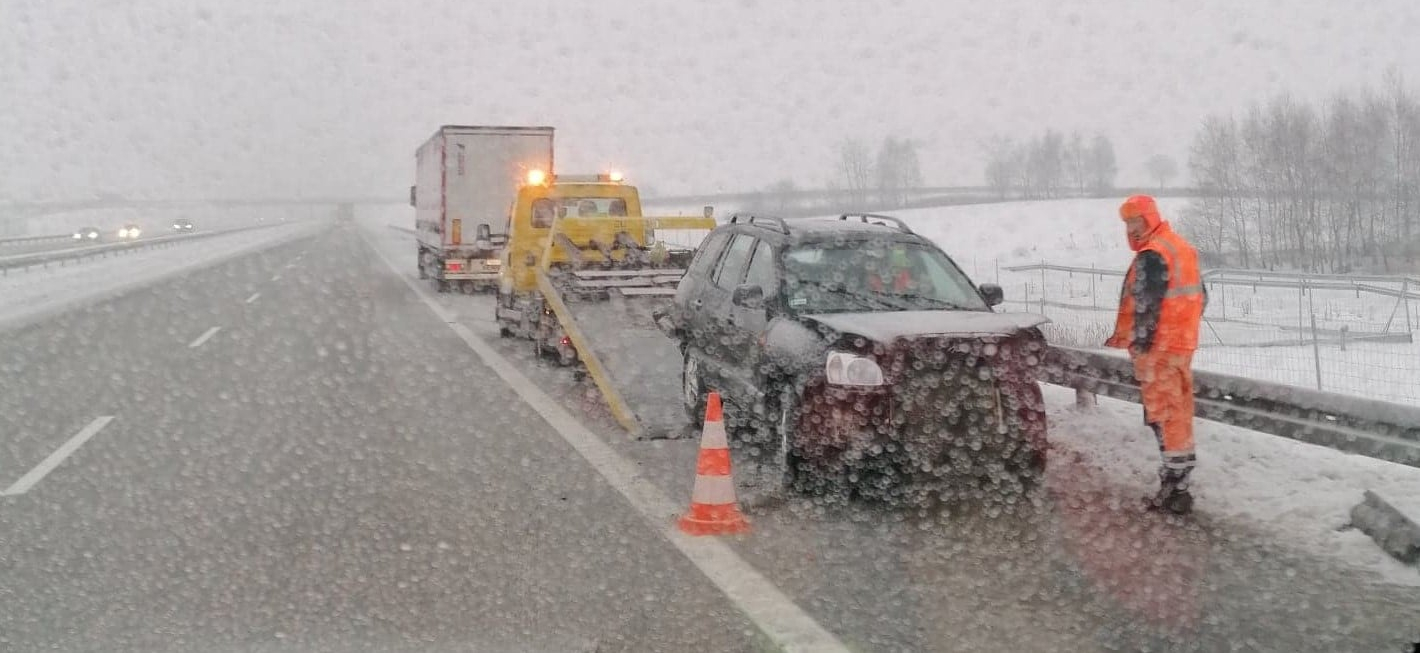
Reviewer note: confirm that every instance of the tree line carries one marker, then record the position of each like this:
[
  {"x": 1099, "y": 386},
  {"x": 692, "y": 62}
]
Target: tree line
[
  {"x": 1050, "y": 165},
  {"x": 1331, "y": 187}
]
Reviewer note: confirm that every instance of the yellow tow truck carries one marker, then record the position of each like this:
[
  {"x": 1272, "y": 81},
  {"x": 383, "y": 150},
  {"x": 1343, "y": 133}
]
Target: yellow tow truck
[{"x": 582, "y": 275}]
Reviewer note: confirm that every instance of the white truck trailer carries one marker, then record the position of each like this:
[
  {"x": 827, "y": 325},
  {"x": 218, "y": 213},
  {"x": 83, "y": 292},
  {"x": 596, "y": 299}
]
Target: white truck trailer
[{"x": 465, "y": 180}]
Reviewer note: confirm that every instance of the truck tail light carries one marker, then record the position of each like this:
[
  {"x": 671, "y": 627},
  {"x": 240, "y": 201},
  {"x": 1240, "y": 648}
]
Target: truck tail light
[{"x": 453, "y": 266}]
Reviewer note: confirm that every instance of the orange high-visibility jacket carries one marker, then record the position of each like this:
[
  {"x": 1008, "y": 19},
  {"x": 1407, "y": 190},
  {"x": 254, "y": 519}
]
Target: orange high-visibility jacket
[{"x": 1182, "y": 310}]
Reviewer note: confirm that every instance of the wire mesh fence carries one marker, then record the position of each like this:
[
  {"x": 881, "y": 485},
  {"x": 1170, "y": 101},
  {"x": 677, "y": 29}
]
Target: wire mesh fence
[{"x": 1346, "y": 334}]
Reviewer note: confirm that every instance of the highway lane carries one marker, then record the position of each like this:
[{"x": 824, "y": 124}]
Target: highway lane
[
  {"x": 328, "y": 469},
  {"x": 1077, "y": 574}
]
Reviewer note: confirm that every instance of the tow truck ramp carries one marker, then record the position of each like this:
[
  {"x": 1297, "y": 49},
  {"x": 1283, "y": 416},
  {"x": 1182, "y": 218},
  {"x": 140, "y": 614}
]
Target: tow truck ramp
[{"x": 609, "y": 317}]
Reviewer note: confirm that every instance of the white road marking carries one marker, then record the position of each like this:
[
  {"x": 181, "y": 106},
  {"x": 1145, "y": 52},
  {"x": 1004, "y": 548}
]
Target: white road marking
[
  {"x": 203, "y": 338},
  {"x": 765, "y": 604},
  {"x": 48, "y": 464},
  {"x": 252, "y": 298}
]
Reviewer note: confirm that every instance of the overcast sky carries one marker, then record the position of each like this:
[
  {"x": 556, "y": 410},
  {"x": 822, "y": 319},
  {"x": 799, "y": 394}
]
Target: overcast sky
[{"x": 167, "y": 98}]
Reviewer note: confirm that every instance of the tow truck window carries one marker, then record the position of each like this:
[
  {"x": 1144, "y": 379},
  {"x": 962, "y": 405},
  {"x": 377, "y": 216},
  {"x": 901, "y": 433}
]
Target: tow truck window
[
  {"x": 542, "y": 213},
  {"x": 586, "y": 207}
]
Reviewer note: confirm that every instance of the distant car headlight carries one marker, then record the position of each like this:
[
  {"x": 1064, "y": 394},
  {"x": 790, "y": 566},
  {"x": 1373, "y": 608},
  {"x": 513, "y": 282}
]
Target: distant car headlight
[
  {"x": 93, "y": 235},
  {"x": 843, "y": 368},
  {"x": 78, "y": 236}
]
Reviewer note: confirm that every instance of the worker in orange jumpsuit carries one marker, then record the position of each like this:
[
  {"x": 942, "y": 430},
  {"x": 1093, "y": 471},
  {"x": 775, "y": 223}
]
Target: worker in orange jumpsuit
[{"x": 1160, "y": 310}]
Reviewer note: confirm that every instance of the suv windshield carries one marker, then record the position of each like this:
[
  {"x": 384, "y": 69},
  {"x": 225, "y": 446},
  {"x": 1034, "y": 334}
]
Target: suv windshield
[{"x": 874, "y": 276}]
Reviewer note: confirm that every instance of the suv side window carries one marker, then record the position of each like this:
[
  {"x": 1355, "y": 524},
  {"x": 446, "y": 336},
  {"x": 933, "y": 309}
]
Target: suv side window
[
  {"x": 761, "y": 269},
  {"x": 706, "y": 256},
  {"x": 732, "y": 265}
]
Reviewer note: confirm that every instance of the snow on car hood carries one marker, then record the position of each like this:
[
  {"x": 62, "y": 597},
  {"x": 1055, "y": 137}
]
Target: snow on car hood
[{"x": 890, "y": 325}]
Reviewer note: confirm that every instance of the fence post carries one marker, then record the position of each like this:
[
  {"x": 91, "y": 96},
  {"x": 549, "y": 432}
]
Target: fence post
[
  {"x": 1343, "y": 337},
  {"x": 1405, "y": 296},
  {"x": 1316, "y": 352},
  {"x": 1301, "y": 325},
  {"x": 1042, "y": 288},
  {"x": 998, "y": 270},
  {"x": 1094, "y": 301},
  {"x": 1223, "y": 292}
]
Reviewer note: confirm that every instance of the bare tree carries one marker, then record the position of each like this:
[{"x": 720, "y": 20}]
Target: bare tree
[
  {"x": 855, "y": 165},
  {"x": 1076, "y": 162},
  {"x": 1328, "y": 187},
  {"x": 1000, "y": 161},
  {"x": 782, "y": 195},
  {"x": 1103, "y": 167},
  {"x": 898, "y": 170},
  {"x": 1163, "y": 168}
]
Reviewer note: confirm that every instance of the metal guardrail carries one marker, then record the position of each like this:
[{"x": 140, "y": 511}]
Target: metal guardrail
[
  {"x": 1264, "y": 279},
  {"x": 1356, "y": 425},
  {"x": 63, "y": 256},
  {"x": 25, "y": 240}
]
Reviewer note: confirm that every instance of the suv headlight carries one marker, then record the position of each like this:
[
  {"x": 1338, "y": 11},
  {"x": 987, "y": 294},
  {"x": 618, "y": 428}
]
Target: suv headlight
[{"x": 843, "y": 368}]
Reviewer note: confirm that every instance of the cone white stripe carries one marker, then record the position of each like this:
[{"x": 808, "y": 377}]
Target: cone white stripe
[
  {"x": 713, "y": 436},
  {"x": 713, "y": 490}
]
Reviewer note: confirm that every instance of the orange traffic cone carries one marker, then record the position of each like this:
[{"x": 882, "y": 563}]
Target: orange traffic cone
[{"x": 713, "y": 508}]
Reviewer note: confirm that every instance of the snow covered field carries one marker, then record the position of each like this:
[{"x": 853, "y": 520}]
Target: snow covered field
[
  {"x": 1297, "y": 493},
  {"x": 30, "y": 295}
]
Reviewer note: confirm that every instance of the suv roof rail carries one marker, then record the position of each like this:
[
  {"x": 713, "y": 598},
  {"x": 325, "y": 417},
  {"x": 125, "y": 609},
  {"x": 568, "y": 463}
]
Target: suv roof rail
[
  {"x": 865, "y": 217},
  {"x": 753, "y": 219}
]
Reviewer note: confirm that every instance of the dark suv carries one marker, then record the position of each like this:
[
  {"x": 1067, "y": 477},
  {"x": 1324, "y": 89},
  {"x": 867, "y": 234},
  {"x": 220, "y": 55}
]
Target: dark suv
[{"x": 860, "y": 350}]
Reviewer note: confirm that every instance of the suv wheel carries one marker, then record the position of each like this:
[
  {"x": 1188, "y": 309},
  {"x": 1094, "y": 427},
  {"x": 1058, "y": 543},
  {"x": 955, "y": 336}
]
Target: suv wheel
[{"x": 692, "y": 390}]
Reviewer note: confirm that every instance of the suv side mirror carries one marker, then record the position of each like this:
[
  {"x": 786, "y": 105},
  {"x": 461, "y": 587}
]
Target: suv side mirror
[
  {"x": 993, "y": 294},
  {"x": 748, "y": 296},
  {"x": 483, "y": 232}
]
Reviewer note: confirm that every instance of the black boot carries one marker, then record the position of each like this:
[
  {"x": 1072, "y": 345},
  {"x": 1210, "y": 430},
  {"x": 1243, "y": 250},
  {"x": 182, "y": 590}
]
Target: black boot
[
  {"x": 1173, "y": 495},
  {"x": 1172, "y": 500}
]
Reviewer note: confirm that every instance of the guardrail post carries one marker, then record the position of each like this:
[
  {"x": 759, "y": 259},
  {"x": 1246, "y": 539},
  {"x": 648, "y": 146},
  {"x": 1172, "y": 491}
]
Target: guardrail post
[
  {"x": 1344, "y": 329},
  {"x": 1084, "y": 398}
]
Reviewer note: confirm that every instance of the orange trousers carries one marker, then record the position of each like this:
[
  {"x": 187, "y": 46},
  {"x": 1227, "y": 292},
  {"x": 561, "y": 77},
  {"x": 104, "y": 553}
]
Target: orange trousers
[{"x": 1166, "y": 381}]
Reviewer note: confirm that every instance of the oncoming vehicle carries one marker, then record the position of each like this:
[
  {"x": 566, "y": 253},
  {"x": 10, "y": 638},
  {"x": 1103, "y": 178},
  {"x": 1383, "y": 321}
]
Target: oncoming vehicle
[
  {"x": 86, "y": 234},
  {"x": 129, "y": 231},
  {"x": 182, "y": 225},
  {"x": 864, "y": 354}
]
